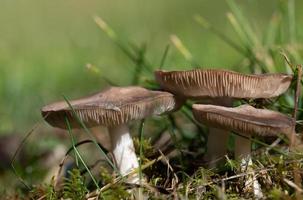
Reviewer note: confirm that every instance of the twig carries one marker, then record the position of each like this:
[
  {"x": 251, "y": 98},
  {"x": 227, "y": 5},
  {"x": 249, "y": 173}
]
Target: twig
[
  {"x": 274, "y": 144},
  {"x": 171, "y": 169},
  {"x": 298, "y": 90},
  {"x": 293, "y": 185},
  {"x": 296, "y": 102}
]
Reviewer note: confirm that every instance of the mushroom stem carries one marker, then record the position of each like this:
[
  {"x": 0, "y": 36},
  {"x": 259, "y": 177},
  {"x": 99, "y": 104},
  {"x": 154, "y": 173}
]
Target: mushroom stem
[
  {"x": 243, "y": 151},
  {"x": 217, "y": 138},
  {"x": 242, "y": 147},
  {"x": 216, "y": 146},
  {"x": 124, "y": 151}
]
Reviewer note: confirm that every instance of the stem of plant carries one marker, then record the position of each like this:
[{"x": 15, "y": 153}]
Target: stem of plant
[{"x": 296, "y": 102}]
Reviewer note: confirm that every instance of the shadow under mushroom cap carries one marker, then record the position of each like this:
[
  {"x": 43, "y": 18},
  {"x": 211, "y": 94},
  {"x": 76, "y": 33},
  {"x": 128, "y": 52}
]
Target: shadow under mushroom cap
[
  {"x": 199, "y": 83},
  {"x": 113, "y": 106},
  {"x": 245, "y": 119}
]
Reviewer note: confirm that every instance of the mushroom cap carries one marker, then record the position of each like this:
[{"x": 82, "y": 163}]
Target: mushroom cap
[
  {"x": 245, "y": 119},
  {"x": 200, "y": 83},
  {"x": 113, "y": 106}
]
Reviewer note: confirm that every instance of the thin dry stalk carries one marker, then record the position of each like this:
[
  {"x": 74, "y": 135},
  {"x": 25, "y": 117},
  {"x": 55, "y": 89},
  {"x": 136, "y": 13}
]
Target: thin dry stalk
[
  {"x": 118, "y": 179},
  {"x": 297, "y": 176}
]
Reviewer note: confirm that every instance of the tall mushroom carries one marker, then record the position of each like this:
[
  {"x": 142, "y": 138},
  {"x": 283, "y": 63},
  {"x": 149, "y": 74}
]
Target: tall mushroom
[
  {"x": 222, "y": 86},
  {"x": 114, "y": 108}
]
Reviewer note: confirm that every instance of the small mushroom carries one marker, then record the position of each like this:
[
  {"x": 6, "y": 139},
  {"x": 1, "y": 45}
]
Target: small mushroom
[
  {"x": 222, "y": 86},
  {"x": 248, "y": 121},
  {"x": 245, "y": 120},
  {"x": 114, "y": 108}
]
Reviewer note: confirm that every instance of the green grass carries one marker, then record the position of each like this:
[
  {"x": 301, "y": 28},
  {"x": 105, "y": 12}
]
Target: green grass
[{"x": 78, "y": 48}]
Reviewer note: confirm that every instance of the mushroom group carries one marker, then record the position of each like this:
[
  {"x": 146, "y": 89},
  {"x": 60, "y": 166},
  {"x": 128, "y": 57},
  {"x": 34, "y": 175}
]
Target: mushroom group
[
  {"x": 115, "y": 107},
  {"x": 221, "y": 87}
]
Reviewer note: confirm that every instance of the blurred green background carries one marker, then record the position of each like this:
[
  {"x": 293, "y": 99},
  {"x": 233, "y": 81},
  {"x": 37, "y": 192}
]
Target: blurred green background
[{"x": 45, "y": 46}]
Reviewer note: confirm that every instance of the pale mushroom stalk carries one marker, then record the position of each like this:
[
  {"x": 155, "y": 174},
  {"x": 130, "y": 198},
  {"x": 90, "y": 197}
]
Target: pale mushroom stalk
[
  {"x": 217, "y": 138},
  {"x": 242, "y": 146},
  {"x": 243, "y": 150},
  {"x": 216, "y": 146},
  {"x": 124, "y": 151}
]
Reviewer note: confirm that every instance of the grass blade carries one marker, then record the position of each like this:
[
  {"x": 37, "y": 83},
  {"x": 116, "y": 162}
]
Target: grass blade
[
  {"x": 272, "y": 30},
  {"x": 238, "y": 29},
  {"x": 139, "y": 65},
  {"x": 79, "y": 155},
  {"x": 164, "y": 56},
  {"x": 16, "y": 153},
  {"x": 81, "y": 143},
  {"x": 183, "y": 50},
  {"x": 243, "y": 24},
  {"x": 247, "y": 52},
  {"x": 73, "y": 142},
  {"x": 201, "y": 21},
  {"x": 120, "y": 43}
]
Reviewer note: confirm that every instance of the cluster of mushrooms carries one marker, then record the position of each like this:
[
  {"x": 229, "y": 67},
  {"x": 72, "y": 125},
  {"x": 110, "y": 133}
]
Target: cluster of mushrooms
[{"x": 115, "y": 107}]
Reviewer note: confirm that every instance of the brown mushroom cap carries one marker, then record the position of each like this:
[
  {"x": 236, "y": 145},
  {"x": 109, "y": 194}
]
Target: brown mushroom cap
[
  {"x": 199, "y": 83},
  {"x": 244, "y": 119},
  {"x": 113, "y": 106}
]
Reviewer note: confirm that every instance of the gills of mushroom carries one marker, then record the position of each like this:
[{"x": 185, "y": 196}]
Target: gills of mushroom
[
  {"x": 248, "y": 121},
  {"x": 199, "y": 84},
  {"x": 245, "y": 120},
  {"x": 114, "y": 108}
]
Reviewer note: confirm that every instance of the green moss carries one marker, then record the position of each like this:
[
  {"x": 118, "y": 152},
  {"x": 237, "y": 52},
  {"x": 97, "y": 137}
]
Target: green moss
[{"x": 75, "y": 187}]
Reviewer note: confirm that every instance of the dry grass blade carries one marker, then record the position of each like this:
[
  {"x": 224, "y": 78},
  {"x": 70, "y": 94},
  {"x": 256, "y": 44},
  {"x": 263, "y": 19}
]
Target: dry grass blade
[
  {"x": 119, "y": 179},
  {"x": 298, "y": 90},
  {"x": 293, "y": 185},
  {"x": 243, "y": 24},
  {"x": 104, "y": 26},
  {"x": 181, "y": 48},
  {"x": 201, "y": 21},
  {"x": 16, "y": 153}
]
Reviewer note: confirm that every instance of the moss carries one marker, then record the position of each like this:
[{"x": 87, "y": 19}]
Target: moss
[{"x": 75, "y": 187}]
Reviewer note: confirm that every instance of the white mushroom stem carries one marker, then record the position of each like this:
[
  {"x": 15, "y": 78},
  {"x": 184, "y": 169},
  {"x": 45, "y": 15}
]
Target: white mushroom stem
[
  {"x": 243, "y": 151},
  {"x": 124, "y": 151}
]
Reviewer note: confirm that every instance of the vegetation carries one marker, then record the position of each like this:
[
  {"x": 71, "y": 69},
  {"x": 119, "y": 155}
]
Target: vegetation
[{"x": 173, "y": 169}]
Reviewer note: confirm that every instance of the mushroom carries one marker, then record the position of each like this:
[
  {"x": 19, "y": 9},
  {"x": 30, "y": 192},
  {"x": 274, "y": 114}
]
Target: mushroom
[
  {"x": 221, "y": 86},
  {"x": 249, "y": 121},
  {"x": 245, "y": 119},
  {"x": 114, "y": 108}
]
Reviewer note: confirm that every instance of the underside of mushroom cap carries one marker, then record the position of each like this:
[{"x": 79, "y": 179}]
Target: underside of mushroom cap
[
  {"x": 199, "y": 83},
  {"x": 245, "y": 119},
  {"x": 113, "y": 106}
]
